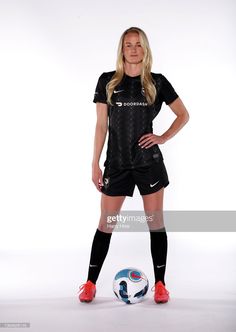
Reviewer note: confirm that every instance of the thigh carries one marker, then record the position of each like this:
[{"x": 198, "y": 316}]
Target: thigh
[
  {"x": 153, "y": 207},
  {"x": 111, "y": 203},
  {"x": 110, "y": 207},
  {"x": 154, "y": 201}
]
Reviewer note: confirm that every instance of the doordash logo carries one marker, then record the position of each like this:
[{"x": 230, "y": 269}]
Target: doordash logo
[{"x": 130, "y": 104}]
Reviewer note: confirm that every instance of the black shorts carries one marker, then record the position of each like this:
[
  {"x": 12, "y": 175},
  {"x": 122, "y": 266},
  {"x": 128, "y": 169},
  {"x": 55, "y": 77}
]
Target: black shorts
[{"x": 121, "y": 182}]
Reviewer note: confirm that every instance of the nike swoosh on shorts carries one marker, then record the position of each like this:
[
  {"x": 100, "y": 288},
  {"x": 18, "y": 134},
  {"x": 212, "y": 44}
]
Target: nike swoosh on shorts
[{"x": 152, "y": 185}]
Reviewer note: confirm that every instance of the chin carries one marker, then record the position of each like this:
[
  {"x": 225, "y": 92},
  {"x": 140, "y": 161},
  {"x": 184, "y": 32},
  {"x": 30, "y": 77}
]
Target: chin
[{"x": 135, "y": 61}]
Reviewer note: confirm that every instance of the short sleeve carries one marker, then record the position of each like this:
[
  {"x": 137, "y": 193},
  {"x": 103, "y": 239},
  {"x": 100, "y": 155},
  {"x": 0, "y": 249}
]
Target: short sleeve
[
  {"x": 100, "y": 95},
  {"x": 167, "y": 91}
]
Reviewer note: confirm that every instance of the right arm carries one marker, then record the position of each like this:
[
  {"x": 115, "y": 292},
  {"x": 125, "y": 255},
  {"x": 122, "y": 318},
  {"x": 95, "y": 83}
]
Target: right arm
[{"x": 99, "y": 139}]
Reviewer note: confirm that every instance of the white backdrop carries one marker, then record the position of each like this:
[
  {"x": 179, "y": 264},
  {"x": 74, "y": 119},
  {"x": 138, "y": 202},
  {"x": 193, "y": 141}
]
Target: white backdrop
[{"x": 51, "y": 55}]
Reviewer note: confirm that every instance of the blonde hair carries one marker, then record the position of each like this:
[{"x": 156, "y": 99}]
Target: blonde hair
[{"x": 146, "y": 78}]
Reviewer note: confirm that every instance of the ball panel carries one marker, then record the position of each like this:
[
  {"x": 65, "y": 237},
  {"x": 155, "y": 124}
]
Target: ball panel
[
  {"x": 122, "y": 274},
  {"x": 130, "y": 285}
]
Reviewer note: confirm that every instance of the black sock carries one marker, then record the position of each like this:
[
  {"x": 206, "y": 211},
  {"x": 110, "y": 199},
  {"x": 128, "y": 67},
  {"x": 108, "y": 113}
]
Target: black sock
[
  {"x": 158, "y": 239},
  {"x": 99, "y": 251}
]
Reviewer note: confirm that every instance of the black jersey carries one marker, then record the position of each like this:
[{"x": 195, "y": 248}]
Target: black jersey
[{"x": 130, "y": 117}]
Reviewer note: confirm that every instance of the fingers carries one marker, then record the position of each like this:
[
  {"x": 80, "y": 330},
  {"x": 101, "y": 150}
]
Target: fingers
[
  {"x": 144, "y": 137},
  {"x": 147, "y": 142},
  {"x": 148, "y": 145},
  {"x": 97, "y": 180},
  {"x": 100, "y": 185}
]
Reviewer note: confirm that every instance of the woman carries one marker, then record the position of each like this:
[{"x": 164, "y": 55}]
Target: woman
[{"x": 131, "y": 97}]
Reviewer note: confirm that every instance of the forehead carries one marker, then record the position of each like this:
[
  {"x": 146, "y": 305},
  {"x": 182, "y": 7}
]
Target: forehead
[{"x": 131, "y": 37}]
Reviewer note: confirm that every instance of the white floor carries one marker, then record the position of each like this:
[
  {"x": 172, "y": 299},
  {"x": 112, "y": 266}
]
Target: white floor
[
  {"x": 105, "y": 313},
  {"x": 39, "y": 287}
]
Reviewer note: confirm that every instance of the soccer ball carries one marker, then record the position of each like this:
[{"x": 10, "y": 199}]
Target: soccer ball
[{"x": 130, "y": 285}]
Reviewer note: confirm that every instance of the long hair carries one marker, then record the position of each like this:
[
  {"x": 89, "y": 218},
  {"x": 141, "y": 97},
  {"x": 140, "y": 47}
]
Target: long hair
[{"x": 146, "y": 77}]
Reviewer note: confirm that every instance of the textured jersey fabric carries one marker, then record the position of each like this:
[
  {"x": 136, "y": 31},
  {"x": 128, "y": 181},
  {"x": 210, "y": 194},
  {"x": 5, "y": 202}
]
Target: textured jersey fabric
[{"x": 130, "y": 117}]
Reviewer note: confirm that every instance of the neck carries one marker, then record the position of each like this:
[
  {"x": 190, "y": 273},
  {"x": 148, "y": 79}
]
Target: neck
[{"x": 132, "y": 69}]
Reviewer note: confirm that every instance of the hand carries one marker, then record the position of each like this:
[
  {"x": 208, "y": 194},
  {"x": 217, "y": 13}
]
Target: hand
[
  {"x": 97, "y": 177},
  {"x": 148, "y": 140}
]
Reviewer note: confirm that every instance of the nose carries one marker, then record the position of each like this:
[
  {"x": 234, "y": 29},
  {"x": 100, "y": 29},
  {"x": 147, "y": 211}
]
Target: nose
[{"x": 133, "y": 48}]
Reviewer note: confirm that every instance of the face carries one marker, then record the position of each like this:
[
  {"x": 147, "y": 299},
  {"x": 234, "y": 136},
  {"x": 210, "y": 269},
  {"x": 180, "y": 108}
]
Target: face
[{"x": 132, "y": 49}]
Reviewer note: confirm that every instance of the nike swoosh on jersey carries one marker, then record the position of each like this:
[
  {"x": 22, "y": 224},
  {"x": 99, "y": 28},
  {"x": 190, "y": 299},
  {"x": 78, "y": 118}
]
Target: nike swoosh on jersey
[
  {"x": 117, "y": 91},
  {"x": 152, "y": 185},
  {"x": 158, "y": 266}
]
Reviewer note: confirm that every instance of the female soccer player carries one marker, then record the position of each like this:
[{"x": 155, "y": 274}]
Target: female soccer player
[{"x": 131, "y": 97}]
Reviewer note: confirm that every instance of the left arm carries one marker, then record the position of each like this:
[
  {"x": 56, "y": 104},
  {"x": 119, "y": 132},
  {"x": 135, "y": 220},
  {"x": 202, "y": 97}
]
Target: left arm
[{"x": 182, "y": 117}]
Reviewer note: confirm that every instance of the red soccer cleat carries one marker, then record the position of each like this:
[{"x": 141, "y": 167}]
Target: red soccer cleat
[
  {"x": 88, "y": 291},
  {"x": 161, "y": 293}
]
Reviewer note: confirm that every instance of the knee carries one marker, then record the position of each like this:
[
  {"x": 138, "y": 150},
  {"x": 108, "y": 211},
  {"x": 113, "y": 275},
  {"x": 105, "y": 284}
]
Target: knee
[{"x": 104, "y": 226}]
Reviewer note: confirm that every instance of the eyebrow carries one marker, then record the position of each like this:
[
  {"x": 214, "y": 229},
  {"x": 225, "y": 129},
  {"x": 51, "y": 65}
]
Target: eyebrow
[{"x": 130, "y": 43}]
